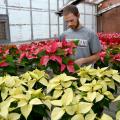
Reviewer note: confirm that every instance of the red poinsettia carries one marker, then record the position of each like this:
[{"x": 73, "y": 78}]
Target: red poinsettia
[
  {"x": 117, "y": 57},
  {"x": 110, "y": 53},
  {"x": 3, "y": 64}
]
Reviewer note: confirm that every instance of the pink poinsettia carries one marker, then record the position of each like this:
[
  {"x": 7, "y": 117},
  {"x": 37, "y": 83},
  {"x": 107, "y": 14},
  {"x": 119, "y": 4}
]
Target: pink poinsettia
[
  {"x": 102, "y": 55},
  {"x": 111, "y": 48},
  {"x": 117, "y": 57},
  {"x": 3, "y": 64},
  {"x": 44, "y": 60}
]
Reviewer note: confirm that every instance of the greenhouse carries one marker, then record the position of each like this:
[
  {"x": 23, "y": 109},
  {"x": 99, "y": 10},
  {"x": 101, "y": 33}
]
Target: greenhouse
[{"x": 59, "y": 59}]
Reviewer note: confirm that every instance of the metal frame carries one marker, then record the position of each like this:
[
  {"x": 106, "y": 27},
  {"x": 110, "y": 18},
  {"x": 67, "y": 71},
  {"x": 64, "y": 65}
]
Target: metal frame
[
  {"x": 31, "y": 9},
  {"x": 31, "y": 20},
  {"x": 108, "y": 8}
]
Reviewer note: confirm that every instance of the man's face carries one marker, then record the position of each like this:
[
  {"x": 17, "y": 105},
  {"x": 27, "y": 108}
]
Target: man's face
[{"x": 72, "y": 21}]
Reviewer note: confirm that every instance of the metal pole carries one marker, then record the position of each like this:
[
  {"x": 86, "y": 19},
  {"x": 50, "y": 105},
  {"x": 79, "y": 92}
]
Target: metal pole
[
  {"x": 49, "y": 18},
  {"x": 31, "y": 20},
  {"x": 8, "y": 24},
  {"x": 58, "y": 18}
]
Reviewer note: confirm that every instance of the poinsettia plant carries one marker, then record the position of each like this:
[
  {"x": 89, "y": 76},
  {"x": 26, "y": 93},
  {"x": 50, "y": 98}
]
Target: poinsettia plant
[
  {"x": 110, "y": 54},
  {"x": 8, "y": 59},
  {"x": 83, "y": 98},
  {"x": 22, "y": 97},
  {"x": 32, "y": 94},
  {"x": 51, "y": 55}
]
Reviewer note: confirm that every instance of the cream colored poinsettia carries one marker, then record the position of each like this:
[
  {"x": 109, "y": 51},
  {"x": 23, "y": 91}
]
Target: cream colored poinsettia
[{"x": 20, "y": 90}]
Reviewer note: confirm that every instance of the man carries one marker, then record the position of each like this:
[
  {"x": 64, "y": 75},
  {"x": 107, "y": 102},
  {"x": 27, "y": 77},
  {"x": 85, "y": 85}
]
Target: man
[{"x": 89, "y": 45}]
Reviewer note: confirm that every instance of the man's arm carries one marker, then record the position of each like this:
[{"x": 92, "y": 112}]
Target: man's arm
[{"x": 88, "y": 60}]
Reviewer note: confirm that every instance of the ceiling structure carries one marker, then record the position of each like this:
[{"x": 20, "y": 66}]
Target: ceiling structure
[{"x": 75, "y": 2}]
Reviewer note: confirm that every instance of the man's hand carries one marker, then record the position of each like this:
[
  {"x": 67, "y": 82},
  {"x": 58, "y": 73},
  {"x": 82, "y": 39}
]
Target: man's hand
[
  {"x": 88, "y": 60},
  {"x": 80, "y": 61}
]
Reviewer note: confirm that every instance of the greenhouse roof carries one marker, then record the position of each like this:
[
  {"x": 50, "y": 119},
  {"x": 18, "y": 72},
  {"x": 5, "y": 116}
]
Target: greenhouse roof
[{"x": 75, "y": 2}]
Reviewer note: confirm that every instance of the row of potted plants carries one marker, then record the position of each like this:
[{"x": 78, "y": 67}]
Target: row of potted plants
[
  {"x": 110, "y": 54},
  {"x": 51, "y": 54},
  {"x": 34, "y": 95}
]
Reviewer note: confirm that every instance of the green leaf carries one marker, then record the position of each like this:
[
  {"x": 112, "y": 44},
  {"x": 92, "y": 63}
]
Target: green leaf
[
  {"x": 42, "y": 53},
  {"x": 60, "y": 52},
  {"x": 65, "y": 60}
]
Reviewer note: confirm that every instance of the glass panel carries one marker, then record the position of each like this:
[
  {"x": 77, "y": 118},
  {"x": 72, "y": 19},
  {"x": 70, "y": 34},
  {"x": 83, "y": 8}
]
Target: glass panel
[
  {"x": 60, "y": 3},
  {"x": 2, "y": 2},
  {"x": 66, "y": 1},
  {"x": 40, "y": 31},
  {"x": 19, "y": 17},
  {"x": 61, "y": 29},
  {"x": 53, "y": 4},
  {"x": 20, "y": 33},
  {"x": 88, "y": 26},
  {"x": 88, "y": 8},
  {"x": 21, "y": 3},
  {"x": 2, "y": 10},
  {"x": 94, "y": 9},
  {"x": 54, "y": 30},
  {"x": 88, "y": 19},
  {"x": 2, "y": 7},
  {"x": 61, "y": 20},
  {"x": 81, "y": 8},
  {"x": 54, "y": 18},
  {"x": 40, "y": 18},
  {"x": 42, "y": 4},
  {"x": 81, "y": 19}
]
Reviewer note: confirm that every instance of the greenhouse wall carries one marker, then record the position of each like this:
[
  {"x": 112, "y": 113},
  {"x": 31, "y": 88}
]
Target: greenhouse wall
[
  {"x": 109, "y": 16},
  {"x": 88, "y": 15},
  {"x": 36, "y": 19},
  {"x": 31, "y": 19}
]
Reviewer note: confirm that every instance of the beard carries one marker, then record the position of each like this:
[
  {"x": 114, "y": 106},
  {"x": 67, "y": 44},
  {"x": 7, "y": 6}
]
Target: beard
[{"x": 75, "y": 27}]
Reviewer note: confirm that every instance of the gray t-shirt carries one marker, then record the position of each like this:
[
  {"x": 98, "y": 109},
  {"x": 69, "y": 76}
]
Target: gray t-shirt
[{"x": 88, "y": 41}]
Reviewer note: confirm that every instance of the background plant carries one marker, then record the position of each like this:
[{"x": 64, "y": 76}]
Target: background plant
[
  {"x": 45, "y": 55},
  {"x": 110, "y": 54}
]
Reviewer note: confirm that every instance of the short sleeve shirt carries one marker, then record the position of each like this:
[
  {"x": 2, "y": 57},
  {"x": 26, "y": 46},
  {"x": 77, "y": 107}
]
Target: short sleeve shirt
[{"x": 89, "y": 43}]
